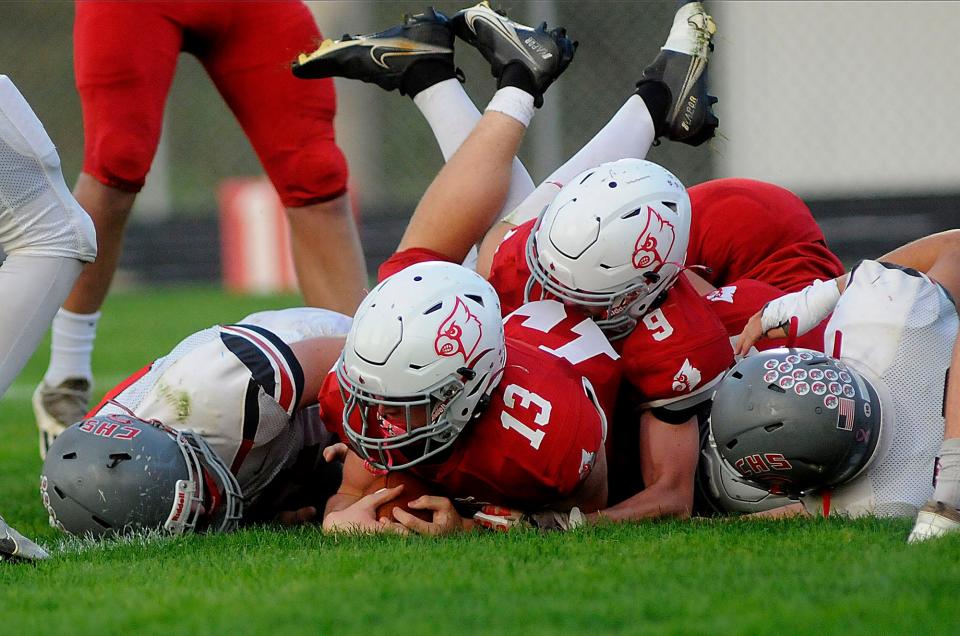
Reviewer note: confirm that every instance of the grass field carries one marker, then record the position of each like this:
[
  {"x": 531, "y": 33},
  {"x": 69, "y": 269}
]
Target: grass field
[{"x": 739, "y": 577}]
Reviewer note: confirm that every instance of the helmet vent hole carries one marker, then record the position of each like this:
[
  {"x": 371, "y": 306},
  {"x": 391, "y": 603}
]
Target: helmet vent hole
[
  {"x": 475, "y": 298},
  {"x": 433, "y": 309},
  {"x": 70, "y": 455},
  {"x": 773, "y": 427},
  {"x": 731, "y": 444},
  {"x": 100, "y": 522},
  {"x": 418, "y": 278},
  {"x": 774, "y": 387},
  {"x": 416, "y": 367},
  {"x": 737, "y": 375},
  {"x": 585, "y": 178},
  {"x": 631, "y": 214},
  {"x": 58, "y": 492},
  {"x": 117, "y": 458},
  {"x": 612, "y": 184},
  {"x": 670, "y": 204}
]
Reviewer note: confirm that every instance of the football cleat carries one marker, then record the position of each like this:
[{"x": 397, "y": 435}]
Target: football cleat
[
  {"x": 381, "y": 58},
  {"x": 934, "y": 520},
  {"x": 681, "y": 66},
  {"x": 501, "y": 41},
  {"x": 16, "y": 547},
  {"x": 57, "y": 407}
]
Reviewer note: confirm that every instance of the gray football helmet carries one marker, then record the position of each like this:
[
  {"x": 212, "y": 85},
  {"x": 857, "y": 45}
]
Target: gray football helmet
[
  {"x": 725, "y": 491},
  {"x": 114, "y": 474},
  {"x": 795, "y": 421}
]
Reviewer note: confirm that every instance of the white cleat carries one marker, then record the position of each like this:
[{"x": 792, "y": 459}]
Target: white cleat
[{"x": 934, "y": 520}]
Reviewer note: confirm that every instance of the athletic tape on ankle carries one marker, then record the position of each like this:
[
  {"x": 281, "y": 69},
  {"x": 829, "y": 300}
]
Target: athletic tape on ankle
[{"x": 513, "y": 102}]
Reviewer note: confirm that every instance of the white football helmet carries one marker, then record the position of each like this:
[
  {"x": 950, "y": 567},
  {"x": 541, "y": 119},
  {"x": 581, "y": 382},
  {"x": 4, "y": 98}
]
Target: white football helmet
[
  {"x": 613, "y": 239},
  {"x": 424, "y": 353}
]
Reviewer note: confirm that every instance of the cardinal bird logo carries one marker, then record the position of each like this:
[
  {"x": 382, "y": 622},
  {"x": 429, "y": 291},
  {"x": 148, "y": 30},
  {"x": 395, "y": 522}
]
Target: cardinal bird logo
[
  {"x": 459, "y": 333},
  {"x": 687, "y": 377},
  {"x": 654, "y": 243}
]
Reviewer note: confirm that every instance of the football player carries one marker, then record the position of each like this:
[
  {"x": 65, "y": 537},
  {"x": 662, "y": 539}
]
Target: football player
[
  {"x": 223, "y": 429},
  {"x": 46, "y": 238},
  {"x": 680, "y": 348},
  {"x": 433, "y": 381},
  {"x": 857, "y": 431}
]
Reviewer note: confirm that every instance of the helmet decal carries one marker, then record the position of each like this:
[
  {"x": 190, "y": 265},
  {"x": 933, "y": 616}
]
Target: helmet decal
[
  {"x": 654, "y": 243},
  {"x": 459, "y": 333}
]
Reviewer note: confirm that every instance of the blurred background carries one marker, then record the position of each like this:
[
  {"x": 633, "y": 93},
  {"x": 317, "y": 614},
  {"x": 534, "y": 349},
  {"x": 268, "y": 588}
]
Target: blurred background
[{"x": 849, "y": 104}]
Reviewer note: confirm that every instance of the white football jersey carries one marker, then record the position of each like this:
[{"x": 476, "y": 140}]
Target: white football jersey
[
  {"x": 238, "y": 386},
  {"x": 897, "y": 328}
]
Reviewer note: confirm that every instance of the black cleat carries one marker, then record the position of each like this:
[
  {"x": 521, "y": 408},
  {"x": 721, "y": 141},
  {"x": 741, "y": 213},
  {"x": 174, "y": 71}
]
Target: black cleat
[
  {"x": 16, "y": 547},
  {"x": 681, "y": 66},
  {"x": 381, "y": 58},
  {"x": 501, "y": 41}
]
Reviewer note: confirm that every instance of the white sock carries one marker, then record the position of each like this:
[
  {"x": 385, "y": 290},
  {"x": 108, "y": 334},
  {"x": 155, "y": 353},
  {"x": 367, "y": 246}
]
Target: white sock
[
  {"x": 513, "y": 102},
  {"x": 32, "y": 288},
  {"x": 947, "y": 488},
  {"x": 628, "y": 134},
  {"x": 72, "y": 346},
  {"x": 449, "y": 112},
  {"x": 451, "y": 116}
]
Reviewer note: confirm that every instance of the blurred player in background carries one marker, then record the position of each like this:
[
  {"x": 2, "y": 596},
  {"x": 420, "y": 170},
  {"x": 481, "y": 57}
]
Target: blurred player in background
[
  {"x": 224, "y": 429},
  {"x": 857, "y": 431},
  {"x": 46, "y": 238},
  {"x": 125, "y": 54}
]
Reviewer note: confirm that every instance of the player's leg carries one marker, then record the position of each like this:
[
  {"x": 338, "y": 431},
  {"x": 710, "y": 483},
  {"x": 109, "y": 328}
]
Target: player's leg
[
  {"x": 671, "y": 100},
  {"x": 46, "y": 237},
  {"x": 122, "y": 96},
  {"x": 425, "y": 72},
  {"x": 290, "y": 124},
  {"x": 421, "y": 65},
  {"x": 475, "y": 181}
]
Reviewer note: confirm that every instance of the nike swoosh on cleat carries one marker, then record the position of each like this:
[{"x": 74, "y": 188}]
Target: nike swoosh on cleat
[{"x": 498, "y": 25}]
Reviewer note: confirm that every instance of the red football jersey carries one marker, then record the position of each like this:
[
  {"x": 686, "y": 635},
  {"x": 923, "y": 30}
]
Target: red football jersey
[
  {"x": 745, "y": 229},
  {"x": 533, "y": 444},
  {"x": 677, "y": 351}
]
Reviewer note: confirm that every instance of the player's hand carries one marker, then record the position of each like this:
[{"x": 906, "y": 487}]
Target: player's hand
[
  {"x": 297, "y": 517},
  {"x": 445, "y": 519},
  {"x": 752, "y": 332},
  {"x": 335, "y": 452},
  {"x": 361, "y": 515}
]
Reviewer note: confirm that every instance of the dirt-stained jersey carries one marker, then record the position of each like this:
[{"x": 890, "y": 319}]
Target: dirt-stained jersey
[
  {"x": 897, "y": 328},
  {"x": 533, "y": 444},
  {"x": 239, "y": 386}
]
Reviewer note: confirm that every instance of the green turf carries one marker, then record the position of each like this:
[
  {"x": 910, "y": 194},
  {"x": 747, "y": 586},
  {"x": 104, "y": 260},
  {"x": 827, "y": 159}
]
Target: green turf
[{"x": 739, "y": 577}]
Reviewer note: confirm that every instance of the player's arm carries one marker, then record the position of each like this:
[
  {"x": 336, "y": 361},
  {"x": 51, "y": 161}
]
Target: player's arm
[
  {"x": 937, "y": 255},
  {"x": 316, "y": 356},
  {"x": 469, "y": 191},
  {"x": 668, "y": 461}
]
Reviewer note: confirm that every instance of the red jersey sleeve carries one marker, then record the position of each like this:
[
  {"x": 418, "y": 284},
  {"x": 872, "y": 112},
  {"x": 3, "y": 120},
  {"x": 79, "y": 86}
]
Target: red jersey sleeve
[
  {"x": 509, "y": 272},
  {"x": 331, "y": 405},
  {"x": 405, "y": 258},
  {"x": 678, "y": 351}
]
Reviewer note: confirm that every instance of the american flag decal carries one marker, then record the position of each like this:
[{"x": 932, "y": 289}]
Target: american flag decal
[{"x": 845, "y": 414}]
